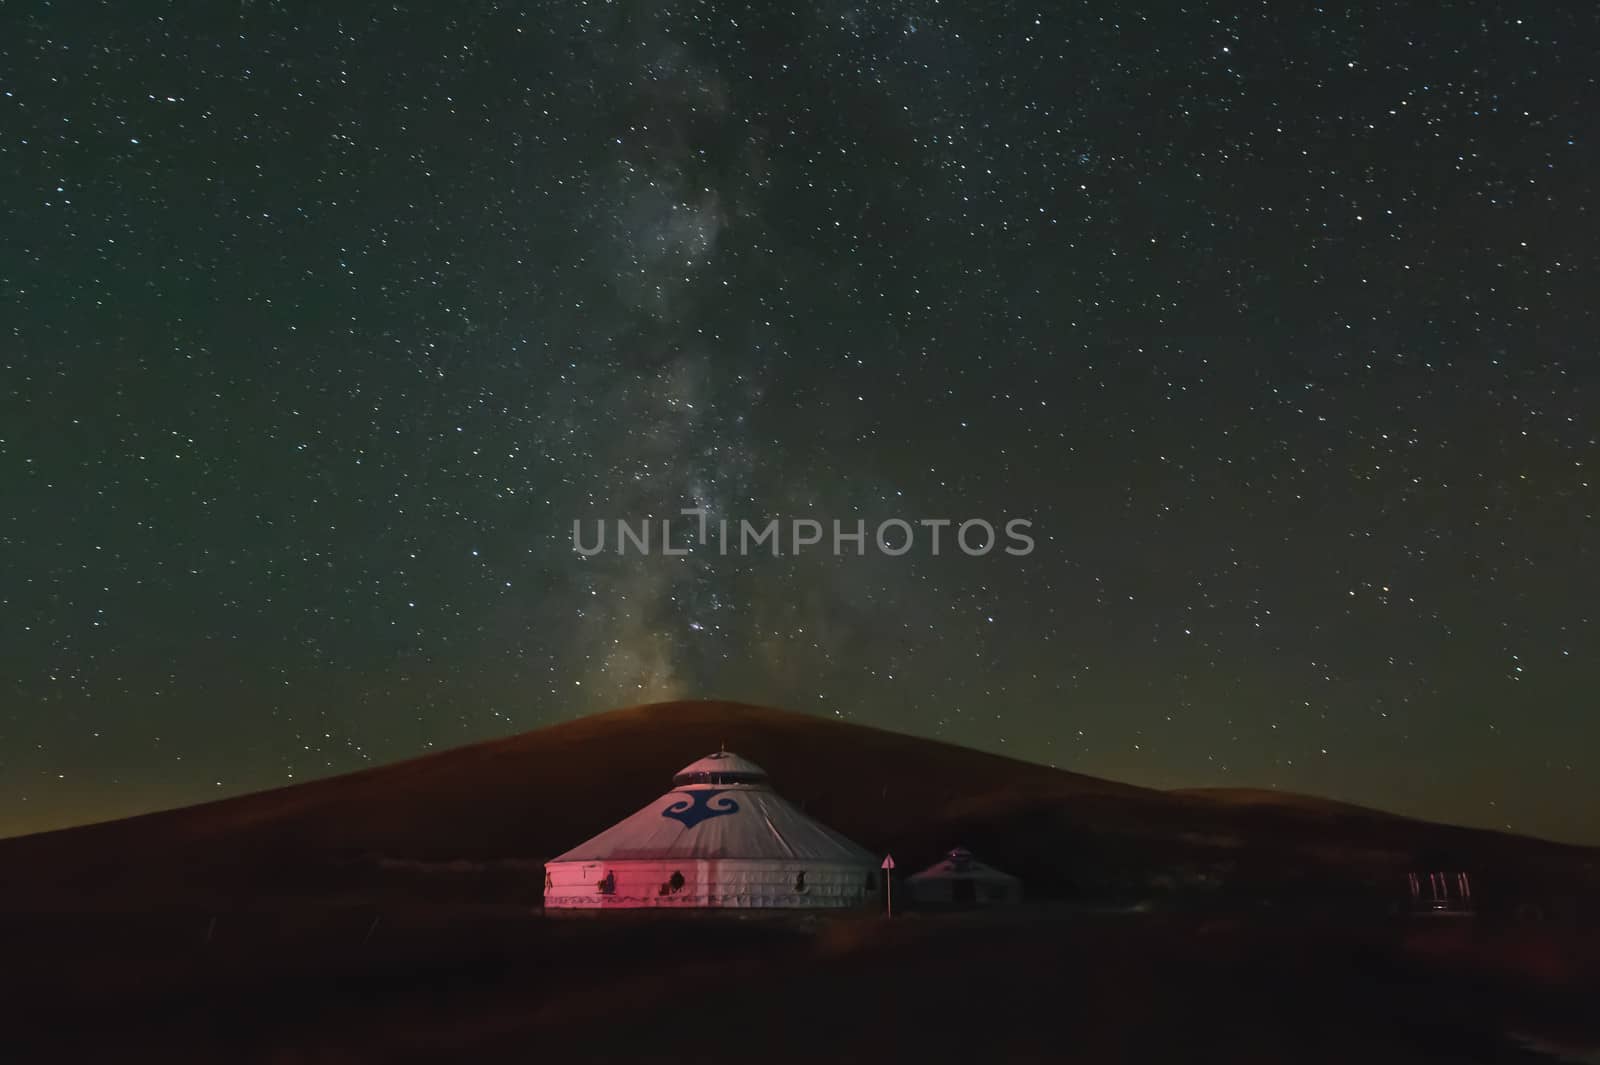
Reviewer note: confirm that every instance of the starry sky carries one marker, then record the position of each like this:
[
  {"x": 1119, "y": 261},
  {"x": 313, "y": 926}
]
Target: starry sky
[{"x": 322, "y": 323}]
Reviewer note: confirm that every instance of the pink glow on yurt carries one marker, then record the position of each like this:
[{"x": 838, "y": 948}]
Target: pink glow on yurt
[{"x": 721, "y": 838}]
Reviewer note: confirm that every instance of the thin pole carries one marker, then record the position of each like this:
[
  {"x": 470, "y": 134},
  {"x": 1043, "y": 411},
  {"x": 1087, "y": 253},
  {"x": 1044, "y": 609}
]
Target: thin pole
[{"x": 888, "y": 880}]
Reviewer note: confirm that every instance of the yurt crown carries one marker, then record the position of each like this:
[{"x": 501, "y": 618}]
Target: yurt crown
[{"x": 722, "y": 767}]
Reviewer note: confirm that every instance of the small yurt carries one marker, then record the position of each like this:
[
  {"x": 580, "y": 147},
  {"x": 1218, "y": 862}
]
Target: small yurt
[
  {"x": 720, "y": 838},
  {"x": 959, "y": 879}
]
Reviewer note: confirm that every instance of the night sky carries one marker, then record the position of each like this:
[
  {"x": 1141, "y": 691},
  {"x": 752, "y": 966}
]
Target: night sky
[{"x": 323, "y": 322}]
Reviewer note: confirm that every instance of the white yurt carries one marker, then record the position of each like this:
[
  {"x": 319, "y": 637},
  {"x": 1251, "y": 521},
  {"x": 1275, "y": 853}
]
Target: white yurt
[
  {"x": 959, "y": 879},
  {"x": 720, "y": 838}
]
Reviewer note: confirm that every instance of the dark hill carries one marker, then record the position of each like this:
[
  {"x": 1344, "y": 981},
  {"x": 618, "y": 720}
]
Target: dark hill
[{"x": 474, "y": 824}]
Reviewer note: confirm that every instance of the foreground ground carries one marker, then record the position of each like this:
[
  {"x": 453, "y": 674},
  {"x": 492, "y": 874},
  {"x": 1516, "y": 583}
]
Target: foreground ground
[
  {"x": 1040, "y": 985},
  {"x": 391, "y": 916}
]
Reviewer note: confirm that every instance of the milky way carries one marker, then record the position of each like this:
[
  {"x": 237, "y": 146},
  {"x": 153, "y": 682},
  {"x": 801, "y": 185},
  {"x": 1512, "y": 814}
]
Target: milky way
[{"x": 323, "y": 326}]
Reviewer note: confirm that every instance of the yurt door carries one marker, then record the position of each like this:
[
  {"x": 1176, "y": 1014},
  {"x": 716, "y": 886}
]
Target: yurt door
[{"x": 963, "y": 892}]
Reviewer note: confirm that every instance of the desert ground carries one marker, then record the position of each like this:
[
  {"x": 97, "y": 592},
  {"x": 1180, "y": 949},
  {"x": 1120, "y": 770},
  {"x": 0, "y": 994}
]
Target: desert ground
[{"x": 393, "y": 915}]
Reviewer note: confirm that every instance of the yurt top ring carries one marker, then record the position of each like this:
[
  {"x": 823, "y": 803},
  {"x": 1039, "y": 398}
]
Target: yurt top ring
[{"x": 722, "y": 769}]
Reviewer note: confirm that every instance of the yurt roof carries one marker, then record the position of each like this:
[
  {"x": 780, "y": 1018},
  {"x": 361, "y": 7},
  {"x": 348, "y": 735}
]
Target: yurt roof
[
  {"x": 699, "y": 819},
  {"x": 722, "y": 767},
  {"x": 958, "y": 863}
]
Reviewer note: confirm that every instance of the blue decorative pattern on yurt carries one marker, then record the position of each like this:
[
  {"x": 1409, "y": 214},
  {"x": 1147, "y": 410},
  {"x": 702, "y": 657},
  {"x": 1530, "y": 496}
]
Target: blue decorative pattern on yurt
[{"x": 698, "y": 806}]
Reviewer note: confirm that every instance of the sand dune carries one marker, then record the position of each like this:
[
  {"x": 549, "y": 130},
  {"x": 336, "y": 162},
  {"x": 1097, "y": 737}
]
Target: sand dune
[{"x": 470, "y": 823}]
